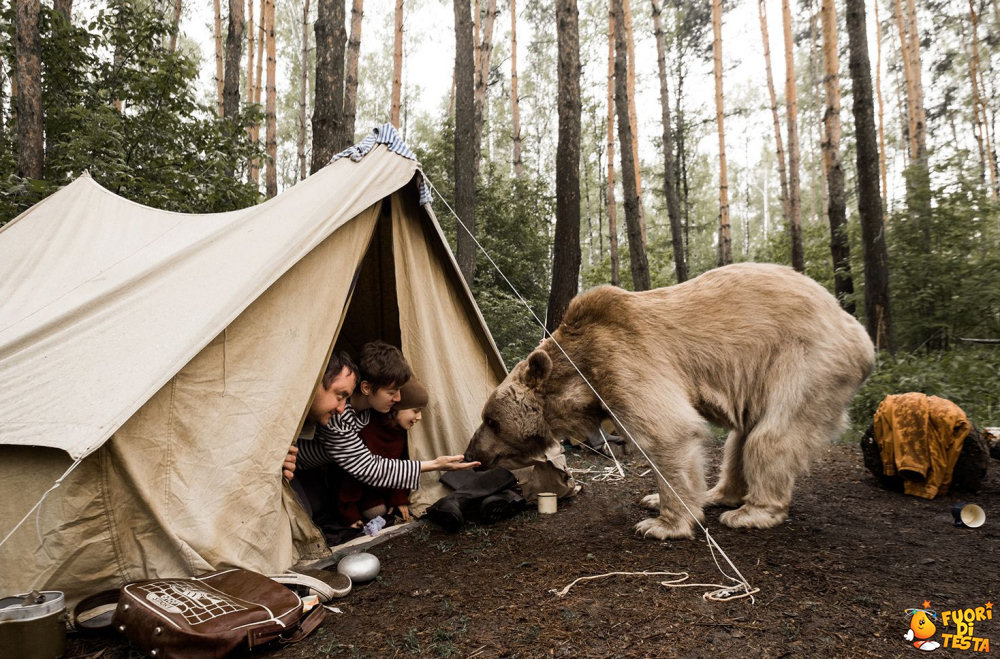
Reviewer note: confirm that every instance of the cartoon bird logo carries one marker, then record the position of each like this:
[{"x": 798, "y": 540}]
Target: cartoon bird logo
[{"x": 921, "y": 628}]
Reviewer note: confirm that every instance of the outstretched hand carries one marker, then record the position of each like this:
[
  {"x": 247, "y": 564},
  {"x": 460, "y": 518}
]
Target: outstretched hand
[{"x": 447, "y": 463}]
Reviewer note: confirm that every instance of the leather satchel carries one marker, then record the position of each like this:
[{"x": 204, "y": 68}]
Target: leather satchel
[{"x": 211, "y": 615}]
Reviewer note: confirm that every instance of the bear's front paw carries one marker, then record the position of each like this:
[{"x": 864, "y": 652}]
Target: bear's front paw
[
  {"x": 651, "y": 502},
  {"x": 753, "y": 517},
  {"x": 660, "y": 529},
  {"x": 718, "y": 497}
]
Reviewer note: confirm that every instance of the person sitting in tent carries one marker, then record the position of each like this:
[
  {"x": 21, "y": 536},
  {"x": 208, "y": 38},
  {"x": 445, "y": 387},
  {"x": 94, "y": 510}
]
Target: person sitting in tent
[
  {"x": 385, "y": 435},
  {"x": 338, "y": 413}
]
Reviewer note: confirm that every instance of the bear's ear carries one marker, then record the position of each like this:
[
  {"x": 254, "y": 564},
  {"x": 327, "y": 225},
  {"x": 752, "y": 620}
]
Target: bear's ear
[{"x": 539, "y": 367}]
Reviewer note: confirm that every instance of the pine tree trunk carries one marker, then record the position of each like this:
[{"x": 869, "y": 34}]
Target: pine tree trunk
[
  {"x": 219, "y": 70},
  {"x": 351, "y": 84},
  {"x": 878, "y": 318},
  {"x": 779, "y": 143},
  {"x": 328, "y": 107},
  {"x": 234, "y": 57},
  {"x": 271, "y": 171},
  {"x": 637, "y": 250},
  {"x": 979, "y": 107},
  {"x": 515, "y": 110},
  {"x": 791, "y": 102},
  {"x": 27, "y": 52},
  {"x": 176, "y": 23},
  {"x": 669, "y": 166},
  {"x": 397, "y": 66},
  {"x": 566, "y": 243},
  {"x": 633, "y": 117},
  {"x": 257, "y": 85},
  {"x": 610, "y": 123},
  {"x": 466, "y": 146},
  {"x": 725, "y": 239},
  {"x": 303, "y": 93},
  {"x": 840, "y": 249},
  {"x": 251, "y": 39},
  {"x": 881, "y": 109},
  {"x": 484, "y": 53}
]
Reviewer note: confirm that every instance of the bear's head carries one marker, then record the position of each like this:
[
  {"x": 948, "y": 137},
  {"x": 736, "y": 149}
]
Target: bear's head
[{"x": 533, "y": 409}]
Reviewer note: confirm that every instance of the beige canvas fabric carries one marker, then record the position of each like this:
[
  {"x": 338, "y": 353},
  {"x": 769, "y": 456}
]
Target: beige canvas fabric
[{"x": 178, "y": 353}]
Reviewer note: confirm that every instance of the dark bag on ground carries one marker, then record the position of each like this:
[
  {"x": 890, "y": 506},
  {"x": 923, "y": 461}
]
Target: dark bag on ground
[{"x": 211, "y": 615}]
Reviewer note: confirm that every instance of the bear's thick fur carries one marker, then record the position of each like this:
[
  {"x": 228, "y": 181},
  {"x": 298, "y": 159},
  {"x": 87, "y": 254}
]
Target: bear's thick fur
[{"x": 756, "y": 348}]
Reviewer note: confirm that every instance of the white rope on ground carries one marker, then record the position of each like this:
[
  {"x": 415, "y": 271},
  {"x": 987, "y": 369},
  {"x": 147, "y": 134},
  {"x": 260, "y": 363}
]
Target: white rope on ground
[
  {"x": 721, "y": 594},
  {"x": 741, "y": 583}
]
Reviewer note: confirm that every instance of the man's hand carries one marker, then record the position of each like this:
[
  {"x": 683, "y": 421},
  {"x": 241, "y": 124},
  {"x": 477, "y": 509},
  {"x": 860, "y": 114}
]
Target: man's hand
[
  {"x": 447, "y": 463},
  {"x": 288, "y": 466}
]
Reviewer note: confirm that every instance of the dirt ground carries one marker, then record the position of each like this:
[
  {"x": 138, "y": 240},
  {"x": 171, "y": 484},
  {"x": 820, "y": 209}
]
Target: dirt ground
[{"x": 836, "y": 579}]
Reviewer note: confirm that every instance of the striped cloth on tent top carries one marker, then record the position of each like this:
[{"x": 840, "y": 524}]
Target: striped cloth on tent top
[{"x": 388, "y": 135}]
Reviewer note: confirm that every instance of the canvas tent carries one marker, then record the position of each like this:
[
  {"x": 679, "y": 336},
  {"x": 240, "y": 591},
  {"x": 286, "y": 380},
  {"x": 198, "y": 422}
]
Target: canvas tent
[{"x": 173, "y": 357}]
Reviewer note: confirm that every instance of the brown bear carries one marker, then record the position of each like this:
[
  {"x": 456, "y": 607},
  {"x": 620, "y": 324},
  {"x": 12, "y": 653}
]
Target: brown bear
[{"x": 756, "y": 348}]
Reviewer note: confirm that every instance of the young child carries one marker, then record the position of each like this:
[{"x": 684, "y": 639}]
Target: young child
[{"x": 385, "y": 435}]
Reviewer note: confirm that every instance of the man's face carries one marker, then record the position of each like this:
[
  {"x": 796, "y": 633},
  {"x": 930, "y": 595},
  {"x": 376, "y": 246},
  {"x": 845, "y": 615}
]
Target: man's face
[
  {"x": 382, "y": 399},
  {"x": 331, "y": 400}
]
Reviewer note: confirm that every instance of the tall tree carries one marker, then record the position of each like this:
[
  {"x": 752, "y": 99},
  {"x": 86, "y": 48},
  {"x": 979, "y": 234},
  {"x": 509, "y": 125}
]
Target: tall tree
[
  {"x": 270, "y": 108},
  {"x": 303, "y": 92},
  {"x": 637, "y": 250},
  {"x": 484, "y": 53},
  {"x": 725, "y": 239},
  {"x": 27, "y": 52},
  {"x": 779, "y": 146},
  {"x": 669, "y": 165},
  {"x": 633, "y": 115},
  {"x": 466, "y": 145},
  {"x": 610, "y": 123},
  {"x": 328, "y": 107},
  {"x": 178, "y": 6},
  {"x": 566, "y": 245},
  {"x": 881, "y": 109},
  {"x": 878, "y": 319},
  {"x": 791, "y": 104},
  {"x": 251, "y": 38},
  {"x": 397, "y": 67},
  {"x": 840, "y": 249},
  {"x": 234, "y": 56},
  {"x": 219, "y": 68},
  {"x": 257, "y": 86},
  {"x": 351, "y": 77},
  {"x": 981, "y": 121},
  {"x": 64, "y": 8},
  {"x": 515, "y": 110}
]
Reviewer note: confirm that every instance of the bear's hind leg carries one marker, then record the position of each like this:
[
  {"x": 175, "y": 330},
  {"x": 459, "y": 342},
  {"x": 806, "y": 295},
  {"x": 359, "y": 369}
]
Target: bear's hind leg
[{"x": 732, "y": 485}]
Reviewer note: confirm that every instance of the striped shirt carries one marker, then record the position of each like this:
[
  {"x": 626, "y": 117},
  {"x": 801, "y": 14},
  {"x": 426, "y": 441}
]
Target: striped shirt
[{"x": 339, "y": 442}]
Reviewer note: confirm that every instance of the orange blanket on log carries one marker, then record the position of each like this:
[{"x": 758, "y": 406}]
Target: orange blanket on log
[{"x": 920, "y": 438}]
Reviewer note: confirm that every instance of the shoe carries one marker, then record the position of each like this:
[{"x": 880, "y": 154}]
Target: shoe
[
  {"x": 501, "y": 506},
  {"x": 326, "y": 585},
  {"x": 447, "y": 514}
]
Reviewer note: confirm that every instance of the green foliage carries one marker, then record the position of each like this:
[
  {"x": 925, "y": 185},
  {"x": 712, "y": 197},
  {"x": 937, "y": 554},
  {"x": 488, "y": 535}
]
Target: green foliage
[
  {"x": 965, "y": 375},
  {"x": 161, "y": 148}
]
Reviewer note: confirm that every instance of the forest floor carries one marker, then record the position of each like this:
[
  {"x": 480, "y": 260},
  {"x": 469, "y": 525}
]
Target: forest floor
[{"x": 835, "y": 579}]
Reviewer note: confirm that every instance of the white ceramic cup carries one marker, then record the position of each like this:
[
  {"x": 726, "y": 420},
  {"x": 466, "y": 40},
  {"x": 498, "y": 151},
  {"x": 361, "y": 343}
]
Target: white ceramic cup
[{"x": 547, "y": 503}]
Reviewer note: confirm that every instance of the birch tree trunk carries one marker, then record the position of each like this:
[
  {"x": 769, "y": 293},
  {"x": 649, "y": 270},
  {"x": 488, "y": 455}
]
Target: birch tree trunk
[
  {"x": 566, "y": 243},
  {"x": 779, "y": 145},
  {"x": 303, "y": 93},
  {"x": 791, "y": 102},
  {"x": 515, "y": 110},
  {"x": 27, "y": 52},
  {"x": 669, "y": 166},
  {"x": 351, "y": 76},
  {"x": 328, "y": 106},
  {"x": 397, "y": 66},
  {"x": 466, "y": 146},
  {"x": 219, "y": 70},
  {"x": 840, "y": 249},
  {"x": 725, "y": 238},
  {"x": 610, "y": 122},
  {"x": 633, "y": 117},
  {"x": 637, "y": 250},
  {"x": 271, "y": 171},
  {"x": 878, "y": 319},
  {"x": 234, "y": 57},
  {"x": 484, "y": 53}
]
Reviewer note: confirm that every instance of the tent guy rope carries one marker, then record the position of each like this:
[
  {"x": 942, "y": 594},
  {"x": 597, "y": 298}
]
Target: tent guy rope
[{"x": 741, "y": 587}]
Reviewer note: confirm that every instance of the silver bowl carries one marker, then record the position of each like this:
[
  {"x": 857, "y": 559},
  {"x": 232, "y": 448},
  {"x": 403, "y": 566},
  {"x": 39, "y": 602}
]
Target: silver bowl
[{"x": 360, "y": 567}]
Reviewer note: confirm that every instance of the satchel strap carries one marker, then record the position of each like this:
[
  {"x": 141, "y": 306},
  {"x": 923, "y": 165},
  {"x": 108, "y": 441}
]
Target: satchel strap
[
  {"x": 306, "y": 625},
  {"x": 96, "y": 611}
]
